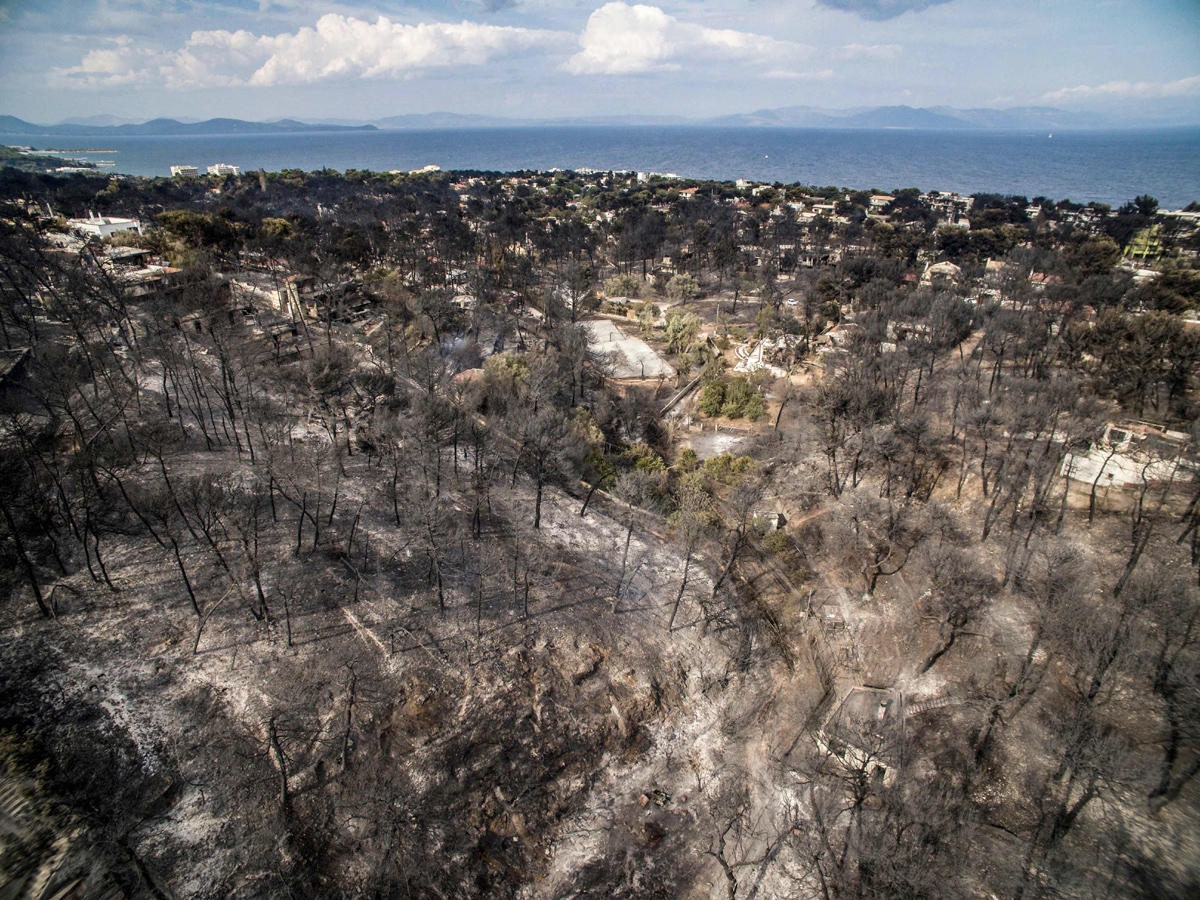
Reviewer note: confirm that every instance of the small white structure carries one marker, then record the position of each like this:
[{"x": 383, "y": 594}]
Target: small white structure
[
  {"x": 184, "y": 171},
  {"x": 753, "y": 358},
  {"x": 223, "y": 169},
  {"x": 103, "y": 226},
  {"x": 424, "y": 169}
]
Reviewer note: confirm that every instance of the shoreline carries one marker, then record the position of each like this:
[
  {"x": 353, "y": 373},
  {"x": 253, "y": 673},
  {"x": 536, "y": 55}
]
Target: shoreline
[{"x": 1083, "y": 167}]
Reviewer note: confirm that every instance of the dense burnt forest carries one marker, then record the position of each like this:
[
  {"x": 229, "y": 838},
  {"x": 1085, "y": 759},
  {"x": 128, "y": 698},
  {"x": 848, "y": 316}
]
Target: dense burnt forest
[{"x": 340, "y": 560}]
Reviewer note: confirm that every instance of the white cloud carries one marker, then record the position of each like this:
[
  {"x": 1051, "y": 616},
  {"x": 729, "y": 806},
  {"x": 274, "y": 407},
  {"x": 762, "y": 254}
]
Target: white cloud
[
  {"x": 1184, "y": 87},
  {"x": 118, "y": 63},
  {"x": 867, "y": 51},
  {"x": 791, "y": 75},
  {"x": 337, "y": 47},
  {"x": 621, "y": 39}
]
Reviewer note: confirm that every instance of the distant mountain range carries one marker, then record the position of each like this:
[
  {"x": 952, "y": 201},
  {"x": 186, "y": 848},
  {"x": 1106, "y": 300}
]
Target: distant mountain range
[
  {"x": 456, "y": 120},
  {"x": 937, "y": 118},
  {"x": 12, "y": 125}
]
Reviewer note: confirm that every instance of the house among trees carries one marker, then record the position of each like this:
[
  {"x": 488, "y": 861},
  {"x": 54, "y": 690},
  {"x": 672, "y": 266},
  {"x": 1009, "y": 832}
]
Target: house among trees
[
  {"x": 840, "y": 335},
  {"x": 864, "y": 733},
  {"x": 941, "y": 272},
  {"x": 996, "y": 269},
  {"x": 381, "y": 488},
  {"x": 104, "y": 226},
  {"x": 1129, "y": 460},
  {"x": 1040, "y": 280},
  {"x": 261, "y": 289},
  {"x": 295, "y": 296}
]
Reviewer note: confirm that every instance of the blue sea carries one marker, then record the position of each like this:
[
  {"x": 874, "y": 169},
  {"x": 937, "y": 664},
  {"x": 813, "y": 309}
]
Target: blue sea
[{"x": 1108, "y": 167}]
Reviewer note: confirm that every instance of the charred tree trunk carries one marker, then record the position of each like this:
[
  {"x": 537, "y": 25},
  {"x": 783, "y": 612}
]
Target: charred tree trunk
[
  {"x": 344, "y": 759},
  {"x": 280, "y": 763},
  {"x": 26, "y": 563},
  {"x": 687, "y": 564}
]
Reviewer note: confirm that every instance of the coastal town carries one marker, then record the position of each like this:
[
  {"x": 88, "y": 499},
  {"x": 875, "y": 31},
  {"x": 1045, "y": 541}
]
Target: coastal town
[
  {"x": 777, "y": 248},
  {"x": 595, "y": 533},
  {"x": 599, "y": 450}
]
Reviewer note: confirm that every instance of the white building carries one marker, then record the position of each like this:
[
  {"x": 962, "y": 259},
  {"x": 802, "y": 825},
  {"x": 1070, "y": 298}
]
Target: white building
[
  {"x": 223, "y": 169},
  {"x": 103, "y": 226},
  {"x": 184, "y": 171},
  {"x": 1184, "y": 215}
]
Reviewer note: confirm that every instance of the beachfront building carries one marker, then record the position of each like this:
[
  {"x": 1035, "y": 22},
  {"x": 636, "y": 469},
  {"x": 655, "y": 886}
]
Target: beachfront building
[
  {"x": 184, "y": 171},
  {"x": 223, "y": 169}
]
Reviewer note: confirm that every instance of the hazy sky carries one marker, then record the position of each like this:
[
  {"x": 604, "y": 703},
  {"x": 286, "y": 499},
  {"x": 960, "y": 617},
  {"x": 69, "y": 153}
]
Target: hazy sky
[{"x": 266, "y": 58}]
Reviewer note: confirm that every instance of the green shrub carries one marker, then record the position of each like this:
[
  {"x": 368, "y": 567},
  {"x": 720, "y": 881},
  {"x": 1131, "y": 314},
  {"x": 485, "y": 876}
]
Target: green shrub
[
  {"x": 688, "y": 461},
  {"x": 646, "y": 315},
  {"x": 507, "y": 368},
  {"x": 756, "y": 407},
  {"x": 775, "y": 541},
  {"x": 650, "y": 464},
  {"x": 713, "y": 370},
  {"x": 681, "y": 331},
  {"x": 734, "y": 399},
  {"x": 623, "y": 286},
  {"x": 695, "y": 481},
  {"x": 641, "y": 456},
  {"x": 728, "y": 469},
  {"x": 713, "y": 398},
  {"x": 737, "y": 394},
  {"x": 682, "y": 288}
]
